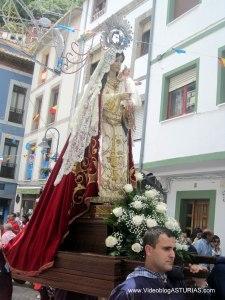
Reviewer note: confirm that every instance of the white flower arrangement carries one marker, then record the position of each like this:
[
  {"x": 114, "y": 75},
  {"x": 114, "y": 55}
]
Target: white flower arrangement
[
  {"x": 140, "y": 209},
  {"x": 110, "y": 241},
  {"x": 151, "y": 194},
  {"x": 137, "y": 220},
  {"x": 139, "y": 176},
  {"x": 136, "y": 248},
  {"x": 118, "y": 211},
  {"x": 151, "y": 222},
  {"x": 161, "y": 207},
  {"x": 172, "y": 224},
  {"x": 181, "y": 246},
  {"x": 137, "y": 204},
  {"x": 128, "y": 188}
]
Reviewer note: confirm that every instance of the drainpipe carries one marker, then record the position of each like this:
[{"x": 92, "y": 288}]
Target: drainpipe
[
  {"x": 78, "y": 75},
  {"x": 147, "y": 87}
]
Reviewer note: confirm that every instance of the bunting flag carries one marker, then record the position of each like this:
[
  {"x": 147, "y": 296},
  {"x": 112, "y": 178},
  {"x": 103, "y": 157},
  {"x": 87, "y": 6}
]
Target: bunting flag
[
  {"x": 65, "y": 27},
  {"x": 27, "y": 146},
  {"x": 53, "y": 109},
  {"x": 178, "y": 50},
  {"x": 221, "y": 61}
]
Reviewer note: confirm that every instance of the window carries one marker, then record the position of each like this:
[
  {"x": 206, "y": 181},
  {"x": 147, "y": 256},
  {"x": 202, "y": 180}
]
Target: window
[
  {"x": 53, "y": 105},
  {"x": 30, "y": 161},
  {"x": 43, "y": 70},
  {"x": 45, "y": 163},
  {"x": 179, "y": 7},
  {"x": 194, "y": 213},
  {"x": 145, "y": 38},
  {"x": 37, "y": 111},
  {"x": 94, "y": 60},
  {"x": 221, "y": 76},
  {"x": 180, "y": 91},
  {"x": 182, "y": 94},
  {"x": 16, "y": 110},
  {"x": 8, "y": 165},
  {"x": 99, "y": 9}
]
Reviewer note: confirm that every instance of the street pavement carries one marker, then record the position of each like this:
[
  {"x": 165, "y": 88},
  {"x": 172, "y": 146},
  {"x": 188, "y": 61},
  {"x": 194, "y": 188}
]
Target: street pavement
[{"x": 24, "y": 292}]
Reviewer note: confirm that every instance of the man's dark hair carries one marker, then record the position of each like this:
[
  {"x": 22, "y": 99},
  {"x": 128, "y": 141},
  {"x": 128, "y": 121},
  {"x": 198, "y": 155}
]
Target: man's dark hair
[{"x": 152, "y": 235}]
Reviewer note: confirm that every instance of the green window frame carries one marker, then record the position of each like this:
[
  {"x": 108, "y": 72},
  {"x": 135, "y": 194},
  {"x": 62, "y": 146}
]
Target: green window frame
[
  {"x": 165, "y": 86},
  {"x": 221, "y": 78},
  {"x": 200, "y": 194},
  {"x": 171, "y": 8}
]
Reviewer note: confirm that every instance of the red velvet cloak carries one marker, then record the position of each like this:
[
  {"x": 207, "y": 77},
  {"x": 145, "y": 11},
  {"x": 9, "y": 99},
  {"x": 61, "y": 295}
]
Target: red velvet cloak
[{"x": 34, "y": 249}]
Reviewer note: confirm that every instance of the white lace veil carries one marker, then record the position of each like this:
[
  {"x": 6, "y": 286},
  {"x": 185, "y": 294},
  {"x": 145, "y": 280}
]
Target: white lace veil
[{"x": 86, "y": 117}]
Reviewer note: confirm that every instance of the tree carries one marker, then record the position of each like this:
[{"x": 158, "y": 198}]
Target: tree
[{"x": 53, "y": 9}]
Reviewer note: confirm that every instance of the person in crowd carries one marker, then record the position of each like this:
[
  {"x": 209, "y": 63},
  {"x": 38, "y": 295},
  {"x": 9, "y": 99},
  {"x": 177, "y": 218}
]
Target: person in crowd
[
  {"x": 18, "y": 220},
  {"x": 158, "y": 272},
  {"x": 196, "y": 234},
  {"x": 5, "y": 278},
  {"x": 8, "y": 234},
  {"x": 203, "y": 245},
  {"x": 12, "y": 220},
  {"x": 5, "y": 274},
  {"x": 216, "y": 250},
  {"x": 216, "y": 279},
  {"x": 25, "y": 220}
]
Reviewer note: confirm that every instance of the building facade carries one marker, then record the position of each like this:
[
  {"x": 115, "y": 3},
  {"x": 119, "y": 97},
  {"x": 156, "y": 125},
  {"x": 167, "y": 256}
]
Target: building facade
[
  {"x": 15, "y": 80},
  {"x": 184, "y": 140},
  {"x": 47, "y": 120}
]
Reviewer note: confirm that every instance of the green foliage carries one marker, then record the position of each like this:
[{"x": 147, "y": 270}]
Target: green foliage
[
  {"x": 41, "y": 7},
  {"x": 53, "y": 9}
]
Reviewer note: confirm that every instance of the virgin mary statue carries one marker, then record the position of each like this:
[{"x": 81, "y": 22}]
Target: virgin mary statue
[{"x": 96, "y": 161}]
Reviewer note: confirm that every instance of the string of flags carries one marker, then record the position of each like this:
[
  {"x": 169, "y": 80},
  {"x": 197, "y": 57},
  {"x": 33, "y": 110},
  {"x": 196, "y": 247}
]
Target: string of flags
[{"x": 221, "y": 60}]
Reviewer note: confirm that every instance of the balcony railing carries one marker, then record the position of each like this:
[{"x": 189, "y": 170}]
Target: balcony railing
[
  {"x": 7, "y": 170},
  {"x": 98, "y": 14},
  {"x": 16, "y": 115}
]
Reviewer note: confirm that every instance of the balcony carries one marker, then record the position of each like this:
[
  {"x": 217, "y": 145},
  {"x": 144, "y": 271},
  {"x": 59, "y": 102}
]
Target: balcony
[
  {"x": 16, "y": 115},
  {"x": 99, "y": 10},
  {"x": 7, "y": 170}
]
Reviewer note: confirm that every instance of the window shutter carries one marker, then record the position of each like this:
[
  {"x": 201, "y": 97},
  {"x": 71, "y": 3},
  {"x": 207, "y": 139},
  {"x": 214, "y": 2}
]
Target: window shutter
[
  {"x": 183, "y": 79},
  {"x": 139, "y": 115}
]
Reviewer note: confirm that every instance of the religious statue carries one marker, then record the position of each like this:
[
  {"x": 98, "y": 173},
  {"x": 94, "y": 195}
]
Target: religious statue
[
  {"x": 115, "y": 168},
  {"x": 96, "y": 161}
]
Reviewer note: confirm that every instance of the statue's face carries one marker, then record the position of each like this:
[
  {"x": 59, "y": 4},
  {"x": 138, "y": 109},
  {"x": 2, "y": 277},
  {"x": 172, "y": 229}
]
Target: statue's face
[{"x": 115, "y": 67}]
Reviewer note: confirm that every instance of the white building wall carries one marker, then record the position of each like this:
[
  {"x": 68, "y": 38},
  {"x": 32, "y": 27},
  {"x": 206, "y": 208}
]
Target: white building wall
[
  {"x": 204, "y": 15},
  {"x": 192, "y": 134}
]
